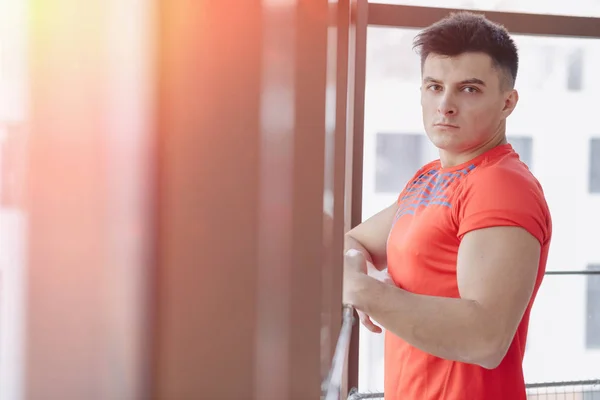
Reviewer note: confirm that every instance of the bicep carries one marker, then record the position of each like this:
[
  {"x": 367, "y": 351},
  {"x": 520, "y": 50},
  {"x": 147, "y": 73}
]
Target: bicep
[
  {"x": 372, "y": 234},
  {"x": 497, "y": 267}
]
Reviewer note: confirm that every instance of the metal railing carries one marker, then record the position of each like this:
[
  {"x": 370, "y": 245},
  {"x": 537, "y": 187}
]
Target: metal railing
[
  {"x": 570, "y": 390},
  {"x": 588, "y": 390},
  {"x": 331, "y": 388}
]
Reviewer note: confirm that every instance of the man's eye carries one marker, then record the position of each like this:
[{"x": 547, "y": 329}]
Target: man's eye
[
  {"x": 470, "y": 89},
  {"x": 434, "y": 87}
]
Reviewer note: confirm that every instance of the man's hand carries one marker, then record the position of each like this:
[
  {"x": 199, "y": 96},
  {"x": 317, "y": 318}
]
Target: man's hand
[{"x": 356, "y": 267}]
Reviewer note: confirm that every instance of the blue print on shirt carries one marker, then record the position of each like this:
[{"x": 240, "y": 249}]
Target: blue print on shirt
[{"x": 428, "y": 189}]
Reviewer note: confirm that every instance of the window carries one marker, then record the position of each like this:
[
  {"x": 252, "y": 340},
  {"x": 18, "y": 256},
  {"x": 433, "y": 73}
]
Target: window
[
  {"x": 399, "y": 156},
  {"x": 523, "y": 145},
  {"x": 592, "y": 334},
  {"x": 547, "y": 112},
  {"x": 575, "y": 70},
  {"x": 595, "y": 165},
  {"x": 395, "y": 47}
]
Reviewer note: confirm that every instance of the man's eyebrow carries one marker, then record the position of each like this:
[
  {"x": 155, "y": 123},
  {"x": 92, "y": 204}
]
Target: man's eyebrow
[
  {"x": 472, "y": 81},
  {"x": 430, "y": 79}
]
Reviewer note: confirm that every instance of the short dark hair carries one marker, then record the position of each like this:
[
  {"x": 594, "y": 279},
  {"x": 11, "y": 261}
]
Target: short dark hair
[{"x": 463, "y": 32}]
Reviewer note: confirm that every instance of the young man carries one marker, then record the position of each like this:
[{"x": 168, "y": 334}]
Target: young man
[{"x": 467, "y": 241}]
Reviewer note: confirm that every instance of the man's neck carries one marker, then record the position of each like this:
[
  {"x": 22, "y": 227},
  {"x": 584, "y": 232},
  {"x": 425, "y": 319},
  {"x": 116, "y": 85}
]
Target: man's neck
[{"x": 449, "y": 160}]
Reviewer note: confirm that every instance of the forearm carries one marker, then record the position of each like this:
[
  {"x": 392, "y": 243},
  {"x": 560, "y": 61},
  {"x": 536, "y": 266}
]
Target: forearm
[
  {"x": 351, "y": 243},
  {"x": 377, "y": 259},
  {"x": 449, "y": 328}
]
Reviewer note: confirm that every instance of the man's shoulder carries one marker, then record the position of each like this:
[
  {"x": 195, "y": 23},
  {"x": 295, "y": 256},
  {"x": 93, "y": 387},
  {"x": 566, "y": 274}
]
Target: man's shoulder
[
  {"x": 503, "y": 194},
  {"x": 506, "y": 174}
]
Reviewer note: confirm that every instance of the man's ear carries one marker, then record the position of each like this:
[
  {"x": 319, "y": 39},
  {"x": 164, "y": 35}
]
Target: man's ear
[{"x": 510, "y": 102}]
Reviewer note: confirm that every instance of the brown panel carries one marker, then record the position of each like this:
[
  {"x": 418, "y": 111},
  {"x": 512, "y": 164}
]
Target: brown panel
[
  {"x": 343, "y": 107},
  {"x": 335, "y": 160},
  {"x": 276, "y": 205},
  {"x": 517, "y": 23},
  {"x": 209, "y": 138},
  {"x": 242, "y": 131},
  {"x": 88, "y": 190},
  {"x": 343, "y": 31},
  {"x": 329, "y": 198},
  {"x": 308, "y": 177}
]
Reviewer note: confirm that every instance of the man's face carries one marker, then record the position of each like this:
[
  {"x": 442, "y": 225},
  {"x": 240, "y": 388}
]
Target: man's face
[{"x": 465, "y": 101}]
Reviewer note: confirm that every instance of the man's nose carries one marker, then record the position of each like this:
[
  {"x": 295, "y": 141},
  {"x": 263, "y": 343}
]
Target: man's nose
[{"x": 447, "y": 105}]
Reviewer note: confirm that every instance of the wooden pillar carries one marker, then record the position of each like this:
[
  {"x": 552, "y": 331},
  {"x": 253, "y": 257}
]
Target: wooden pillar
[{"x": 242, "y": 125}]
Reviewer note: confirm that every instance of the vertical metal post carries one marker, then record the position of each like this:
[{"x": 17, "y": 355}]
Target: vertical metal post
[{"x": 358, "y": 55}]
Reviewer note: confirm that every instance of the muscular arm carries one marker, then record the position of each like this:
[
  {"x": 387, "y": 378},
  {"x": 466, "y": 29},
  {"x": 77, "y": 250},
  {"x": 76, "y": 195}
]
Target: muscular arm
[
  {"x": 370, "y": 237},
  {"x": 496, "y": 273}
]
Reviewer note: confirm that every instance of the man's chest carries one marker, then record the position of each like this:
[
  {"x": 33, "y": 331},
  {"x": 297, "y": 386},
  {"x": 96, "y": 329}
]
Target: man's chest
[{"x": 423, "y": 243}]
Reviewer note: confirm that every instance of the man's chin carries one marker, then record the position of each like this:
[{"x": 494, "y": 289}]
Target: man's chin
[{"x": 444, "y": 142}]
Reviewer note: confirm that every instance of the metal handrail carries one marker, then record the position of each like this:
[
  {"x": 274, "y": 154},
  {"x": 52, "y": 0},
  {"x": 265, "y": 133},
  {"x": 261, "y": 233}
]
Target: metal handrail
[
  {"x": 589, "y": 382},
  {"x": 585, "y": 272},
  {"x": 332, "y": 386},
  {"x": 355, "y": 395}
]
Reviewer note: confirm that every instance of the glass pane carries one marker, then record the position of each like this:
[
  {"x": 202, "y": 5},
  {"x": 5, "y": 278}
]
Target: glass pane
[
  {"x": 561, "y": 321},
  {"x": 586, "y": 8},
  {"x": 397, "y": 155},
  {"x": 558, "y": 85},
  {"x": 523, "y": 145}
]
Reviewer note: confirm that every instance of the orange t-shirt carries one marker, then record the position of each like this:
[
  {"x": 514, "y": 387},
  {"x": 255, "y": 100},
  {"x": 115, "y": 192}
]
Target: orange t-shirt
[{"x": 437, "y": 207}]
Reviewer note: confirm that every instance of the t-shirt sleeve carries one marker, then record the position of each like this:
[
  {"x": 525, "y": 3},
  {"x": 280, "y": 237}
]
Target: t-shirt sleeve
[{"x": 501, "y": 197}]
